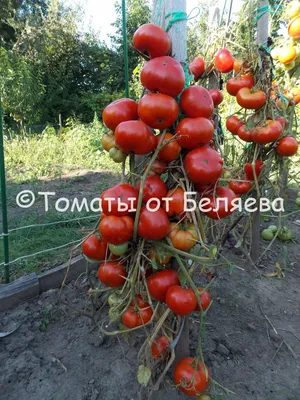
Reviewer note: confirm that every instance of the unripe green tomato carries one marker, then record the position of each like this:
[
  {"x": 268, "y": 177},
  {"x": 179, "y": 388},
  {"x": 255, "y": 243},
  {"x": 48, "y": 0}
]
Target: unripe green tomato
[
  {"x": 298, "y": 195},
  {"x": 114, "y": 314},
  {"x": 117, "y": 155},
  {"x": 297, "y": 201},
  {"x": 293, "y": 9},
  {"x": 285, "y": 234},
  {"x": 273, "y": 228},
  {"x": 204, "y": 397},
  {"x": 267, "y": 234},
  {"x": 227, "y": 174},
  {"x": 118, "y": 249},
  {"x": 289, "y": 66},
  {"x": 113, "y": 299}
]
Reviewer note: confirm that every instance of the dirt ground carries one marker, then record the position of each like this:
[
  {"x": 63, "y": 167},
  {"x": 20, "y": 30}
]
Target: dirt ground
[{"x": 251, "y": 345}]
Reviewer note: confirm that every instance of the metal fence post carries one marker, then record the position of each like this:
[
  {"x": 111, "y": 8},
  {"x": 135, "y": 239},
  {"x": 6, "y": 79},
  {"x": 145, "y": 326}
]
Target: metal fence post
[{"x": 3, "y": 200}]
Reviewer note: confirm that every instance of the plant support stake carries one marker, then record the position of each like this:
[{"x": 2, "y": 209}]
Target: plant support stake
[
  {"x": 125, "y": 48},
  {"x": 3, "y": 200}
]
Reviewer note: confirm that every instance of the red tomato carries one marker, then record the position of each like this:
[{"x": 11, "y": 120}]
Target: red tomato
[
  {"x": 244, "y": 134},
  {"x": 251, "y": 100},
  {"x": 112, "y": 274},
  {"x": 153, "y": 225},
  {"x": 95, "y": 248},
  {"x": 119, "y": 193},
  {"x": 159, "y": 167},
  {"x": 267, "y": 134},
  {"x": 217, "y": 96},
  {"x": 171, "y": 151},
  {"x": 116, "y": 230},
  {"x": 203, "y": 165},
  {"x": 194, "y": 132},
  {"x": 233, "y": 124},
  {"x": 137, "y": 314},
  {"x": 240, "y": 187},
  {"x": 224, "y": 206},
  {"x": 181, "y": 301},
  {"x": 158, "y": 111},
  {"x": 160, "y": 348},
  {"x": 119, "y": 111},
  {"x": 196, "y": 101},
  {"x": 204, "y": 300},
  {"x": 159, "y": 283},
  {"x": 176, "y": 204},
  {"x": 224, "y": 60},
  {"x": 164, "y": 75},
  {"x": 190, "y": 376},
  {"x": 197, "y": 67},
  {"x": 134, "y": 137},
  {"x": 283, "y": 121},
  {"x": 152, "y": 40},
  {"x": 235, "y": 84},
  {"x": 204, "y": 188},
  {"x": 153, "y": 187},
  {"x": 249, "y": 170},
  {"x": 287, "y": 146}
]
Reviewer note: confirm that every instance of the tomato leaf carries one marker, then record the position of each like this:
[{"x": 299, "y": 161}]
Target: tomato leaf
[
  {"x": 182, "y": 278},
  {"x": 143, "y": 375}
]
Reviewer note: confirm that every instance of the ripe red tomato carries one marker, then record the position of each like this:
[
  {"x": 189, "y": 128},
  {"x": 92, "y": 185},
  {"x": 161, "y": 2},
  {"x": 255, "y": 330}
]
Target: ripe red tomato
[
  {"x": 196, "y": 101},
  {"x": 287, "y": 146},
  {"x": 134, "y": 137},
  {"x": 153, "y": 187},
  {"x": 233, "y": 85},
  {"x": 204, "y": 188},
  {"x": 203, "y": 165},
  {"x": 119, "y": 111},
  {"x": 153, "y": 225},
  {"x": 224, "y": 206},
  {"x": 95, "y": 248},
  {"x": 164, "y": 75},
  {"x": 160, "y": 348},
  {"x": 119, "y": 193},
  {"x": 159, "y": 167},
  {"x": 204, "y": 300},
  {"x": 183, "y": 239},
  {"x": 176, "y": 204},
  {"x": 181, "y": 301},
  {"x": 112, "y": 274},
  {"x": 116, "y": 230},
  {"x": 194, "y": 132},
  {"x": 240, "y": 187},
  {"x": 251, "y": 100},
  {"x": 249, "y": 170},
  {"x": 159, "y": 283},
  {"x": 217, "y": 96},
  {"x": 159, "y": 111},
  {"x": 224, "y": 60},
  {"x": 171, "y": 151},
  {"x": 152, "y": 40},
  {"x": 137, "y": 314},
  {"x": 267, "y": 134},
  {"x": 190, "y": 376},
  {"x": 197, "y": 67},
  {"x": 245, "y": 134},
  {"x": 233, "y": 124}
]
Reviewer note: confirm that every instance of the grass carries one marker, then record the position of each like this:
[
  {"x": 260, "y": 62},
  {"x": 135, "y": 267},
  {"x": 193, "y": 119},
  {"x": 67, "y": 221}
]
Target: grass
[{"x": 37, "y": 162}]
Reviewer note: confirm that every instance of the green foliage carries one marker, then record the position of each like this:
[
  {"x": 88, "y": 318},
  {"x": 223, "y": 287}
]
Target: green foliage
[{"x": 49, "y": 155}]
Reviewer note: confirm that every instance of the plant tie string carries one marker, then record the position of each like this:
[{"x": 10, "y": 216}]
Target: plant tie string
[{"x": 180, "y": 16}]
